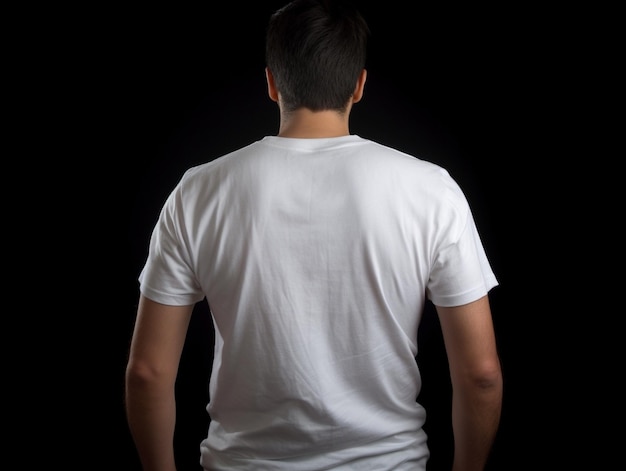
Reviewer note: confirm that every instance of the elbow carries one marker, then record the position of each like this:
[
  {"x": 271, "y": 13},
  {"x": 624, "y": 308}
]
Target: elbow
[
  {"x": 142, "y": 375},
  {"x": 489, "y": 380},
  {"x": 484, "y": 377}
]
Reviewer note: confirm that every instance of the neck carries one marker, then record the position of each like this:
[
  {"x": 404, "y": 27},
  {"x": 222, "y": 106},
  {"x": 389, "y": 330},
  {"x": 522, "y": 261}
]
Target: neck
[{"x": 307, "y": 124}]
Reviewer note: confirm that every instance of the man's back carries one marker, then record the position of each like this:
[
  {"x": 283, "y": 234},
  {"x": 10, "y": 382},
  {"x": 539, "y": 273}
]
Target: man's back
[{"x": 319, "y": 254}]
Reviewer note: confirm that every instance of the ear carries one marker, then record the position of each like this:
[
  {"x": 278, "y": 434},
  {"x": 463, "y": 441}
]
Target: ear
[
  {"x": 271, "y": 87},
  {"x": 360, "y": 85}
]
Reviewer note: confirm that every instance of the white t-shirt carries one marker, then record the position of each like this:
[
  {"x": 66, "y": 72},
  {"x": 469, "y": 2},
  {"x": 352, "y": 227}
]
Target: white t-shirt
[{"x": 316, "y": 257}]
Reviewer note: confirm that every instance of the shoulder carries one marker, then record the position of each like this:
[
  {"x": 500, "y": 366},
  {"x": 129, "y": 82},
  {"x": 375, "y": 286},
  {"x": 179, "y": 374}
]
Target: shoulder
[
  {"x": 217, "y": 168},
  {"x": 415, "y": 171},
  {"x": 407, "y": 161}
]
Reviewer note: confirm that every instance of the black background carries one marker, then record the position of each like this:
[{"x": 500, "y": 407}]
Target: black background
[{"x": 168, "y": 88}]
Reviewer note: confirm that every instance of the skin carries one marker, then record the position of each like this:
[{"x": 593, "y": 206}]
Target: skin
[
  {"x": 160, "y": 332},
  {"x": 155, "y": 352},
  {"x": 476, "y": 378}
]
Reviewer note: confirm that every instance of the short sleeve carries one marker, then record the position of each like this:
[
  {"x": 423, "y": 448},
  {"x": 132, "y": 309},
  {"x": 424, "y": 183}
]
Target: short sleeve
[{"x": 168, "y": 276}]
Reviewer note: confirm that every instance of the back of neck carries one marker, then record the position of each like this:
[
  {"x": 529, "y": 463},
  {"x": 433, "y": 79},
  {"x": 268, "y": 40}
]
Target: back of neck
[{"x": 307, "y": 124}]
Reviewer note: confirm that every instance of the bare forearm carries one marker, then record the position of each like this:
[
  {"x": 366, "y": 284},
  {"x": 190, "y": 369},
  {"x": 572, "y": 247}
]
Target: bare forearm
[
  {"x": 475, "y": 420},
  {"x": 151, "y": 412}
]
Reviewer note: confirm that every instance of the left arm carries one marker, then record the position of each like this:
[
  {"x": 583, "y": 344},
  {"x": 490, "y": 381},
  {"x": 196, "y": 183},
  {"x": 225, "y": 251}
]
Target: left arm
[{"x": 155, "y": 351}]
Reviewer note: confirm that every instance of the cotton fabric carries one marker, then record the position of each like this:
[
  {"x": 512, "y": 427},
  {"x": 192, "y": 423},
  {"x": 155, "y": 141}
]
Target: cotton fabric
[{"x": 316, "y": 257}]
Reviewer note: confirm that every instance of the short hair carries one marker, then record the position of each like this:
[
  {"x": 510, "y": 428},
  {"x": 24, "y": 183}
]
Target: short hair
[{"x": 316, "y": 50}]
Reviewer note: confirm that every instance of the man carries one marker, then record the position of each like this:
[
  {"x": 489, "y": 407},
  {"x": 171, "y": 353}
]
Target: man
[{"x": 316, "y": 251}]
